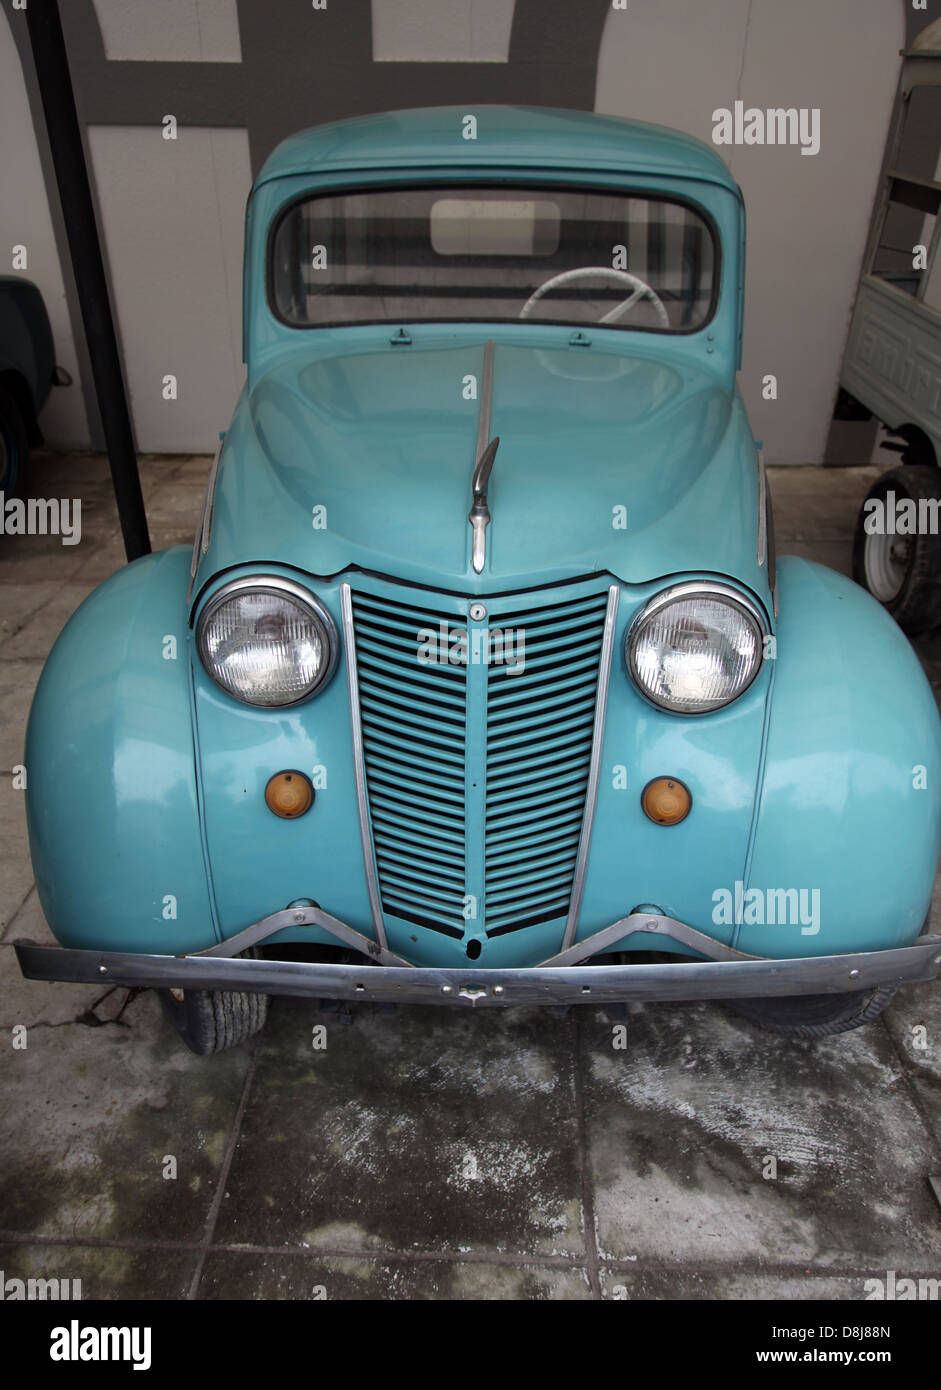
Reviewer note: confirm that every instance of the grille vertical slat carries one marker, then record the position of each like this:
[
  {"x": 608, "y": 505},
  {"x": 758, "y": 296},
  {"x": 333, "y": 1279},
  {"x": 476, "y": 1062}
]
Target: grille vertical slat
[
  {"x": 538, "y": 759},
  {"x": 414, "y": 747},
  {"x": 533, "y": 757}
]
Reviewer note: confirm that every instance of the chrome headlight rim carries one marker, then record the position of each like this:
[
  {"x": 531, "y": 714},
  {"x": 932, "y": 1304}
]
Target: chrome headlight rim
[
  {"x": 693, "y": 588},
  {"x": 286, "y": 588}
]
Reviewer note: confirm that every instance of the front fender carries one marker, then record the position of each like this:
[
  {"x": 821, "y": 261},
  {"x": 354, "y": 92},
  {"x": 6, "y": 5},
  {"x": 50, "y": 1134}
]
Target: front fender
[
  {"x": 850, "y": 802},
  {"x": 112, "y": 804}
]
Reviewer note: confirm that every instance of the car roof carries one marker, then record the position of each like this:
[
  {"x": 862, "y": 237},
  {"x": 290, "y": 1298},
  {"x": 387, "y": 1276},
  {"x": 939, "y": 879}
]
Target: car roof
[{"x": 524, "y": 136}]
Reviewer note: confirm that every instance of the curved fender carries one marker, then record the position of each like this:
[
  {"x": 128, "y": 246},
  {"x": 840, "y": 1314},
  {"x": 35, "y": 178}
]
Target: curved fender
[
  {"x": 850, "y": 805},
  {"x": 112, "y": 803}
]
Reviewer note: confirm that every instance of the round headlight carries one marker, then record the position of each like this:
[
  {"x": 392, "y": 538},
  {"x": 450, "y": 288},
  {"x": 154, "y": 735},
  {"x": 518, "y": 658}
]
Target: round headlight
[
  {"x": 267, "y": 641},
  {"x": 695, "y": 648}
]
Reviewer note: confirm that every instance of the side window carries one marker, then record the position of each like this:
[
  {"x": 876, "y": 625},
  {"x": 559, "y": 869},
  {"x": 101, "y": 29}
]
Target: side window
[{"x": 910, "y": 217}]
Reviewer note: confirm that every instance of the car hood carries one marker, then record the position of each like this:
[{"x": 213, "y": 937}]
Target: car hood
[{"x": 614, "y": 463}]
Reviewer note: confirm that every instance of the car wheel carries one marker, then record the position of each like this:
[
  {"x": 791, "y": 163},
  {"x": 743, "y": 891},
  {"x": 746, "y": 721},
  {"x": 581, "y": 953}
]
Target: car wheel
[
  {"x": 814, "y": 1015},
  {"x": 14, "y": 445},
  {"x": 212, "y": 1020},
  {"x": 903, "y": 572}
]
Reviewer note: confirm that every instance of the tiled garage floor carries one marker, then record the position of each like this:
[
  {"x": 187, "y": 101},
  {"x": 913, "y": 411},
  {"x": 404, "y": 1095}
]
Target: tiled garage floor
[{"x": 421, "y": 1154}]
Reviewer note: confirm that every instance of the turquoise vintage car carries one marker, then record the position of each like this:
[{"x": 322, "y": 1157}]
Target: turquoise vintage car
[{"x": 482, "y": 686}]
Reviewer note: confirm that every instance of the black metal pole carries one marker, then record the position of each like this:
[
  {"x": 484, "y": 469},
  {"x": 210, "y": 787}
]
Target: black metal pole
[{"x": 68, "y": 157}]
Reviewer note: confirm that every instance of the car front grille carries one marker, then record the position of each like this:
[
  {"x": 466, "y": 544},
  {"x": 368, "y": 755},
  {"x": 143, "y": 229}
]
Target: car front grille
[{"x": 477, "y": 774}]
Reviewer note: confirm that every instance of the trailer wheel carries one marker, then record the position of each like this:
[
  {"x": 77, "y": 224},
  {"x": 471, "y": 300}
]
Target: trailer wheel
[
  {"x": 213, "y": 1020},
  {"x": 814, "y": 1015},
  {"x": 902, "y": 571}
]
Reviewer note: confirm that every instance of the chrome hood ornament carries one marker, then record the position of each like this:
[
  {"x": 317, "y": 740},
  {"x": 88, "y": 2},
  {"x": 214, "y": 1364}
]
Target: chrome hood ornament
[{"x": 479, "y": 514}]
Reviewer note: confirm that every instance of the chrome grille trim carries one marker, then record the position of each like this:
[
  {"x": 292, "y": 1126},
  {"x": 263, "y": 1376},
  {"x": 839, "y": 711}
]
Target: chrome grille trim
[
  {"x": 604, "y": 673},
  {"x": 479, "y": 778},
  {"x": 362, "y": 805}
]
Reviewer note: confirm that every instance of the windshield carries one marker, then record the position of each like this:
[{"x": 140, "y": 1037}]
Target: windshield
[{"x": 571, "y": 256}]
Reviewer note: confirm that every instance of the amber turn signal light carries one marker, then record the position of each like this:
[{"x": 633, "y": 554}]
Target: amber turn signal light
[
  {"x": 666, "y": 801},
  {"x": 289, "y": 794}
]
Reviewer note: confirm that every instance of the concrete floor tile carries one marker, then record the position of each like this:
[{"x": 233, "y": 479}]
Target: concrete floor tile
[
  {"x": 683, "y": 1282},
  {"x": 248, "y": 1274},
  {"x": 16, "y": 874},
  {"x": 39, "y": 559},
  {"x": 17, "y": 683},
  {"x": 194, "y": 468},
  {"x": 18, "y": 603},
  {"x": 176, "y": 504},
  {"x": 103, "y": 560},
  {"x": 93, "y": 1110},
  {"x": 835, "y": 554},
  {"x": 103, "y": 1272},
  {"x": 816, "y": 503},
  {"x": 417, "y": 1129},
  {"x": 34, "y": 639},
  {"x": 914, "y": 1022},
  {"x": 29, "y": 922},
  {"x": 682, "y": 1124}
]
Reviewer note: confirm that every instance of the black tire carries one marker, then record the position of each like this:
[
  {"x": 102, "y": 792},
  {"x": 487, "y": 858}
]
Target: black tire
[
  {"x": 814, "y": 1015},
  {"x": 14, "y": 445},
  {"x": 213, "y": 1020},
  {"x": 914, "y": 562}
]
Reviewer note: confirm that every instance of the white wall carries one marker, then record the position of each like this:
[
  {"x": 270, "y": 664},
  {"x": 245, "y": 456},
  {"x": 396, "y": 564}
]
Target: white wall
[
  {"x": 807, "y": 215},
  {"x": 174, "y": 31},
  {"x": 173, "y": 213},
  {"x": 25, "y": 220},
  {"x": 467, "y": 31}
]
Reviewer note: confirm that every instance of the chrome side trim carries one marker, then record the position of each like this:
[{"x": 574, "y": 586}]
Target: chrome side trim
[
  {"x": 594, "y": 769},
  {"x": 359, "y": 765},
  {"x": 204, "y": 528},
  {"x": 577, "y": 984},
  {"x": 762, "y": 511},
  {"x": 211, "y": 499}
]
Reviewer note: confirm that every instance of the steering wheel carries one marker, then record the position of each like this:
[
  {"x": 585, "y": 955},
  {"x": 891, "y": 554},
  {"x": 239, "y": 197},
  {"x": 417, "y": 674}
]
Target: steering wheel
[{"x": 608, "y": 272}]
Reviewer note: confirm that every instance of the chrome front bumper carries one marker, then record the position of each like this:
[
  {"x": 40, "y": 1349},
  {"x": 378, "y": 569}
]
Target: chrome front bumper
[{"x": 387, "y": 978}]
